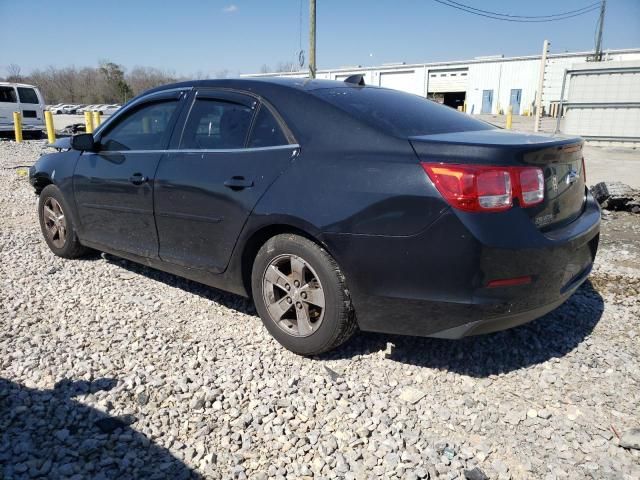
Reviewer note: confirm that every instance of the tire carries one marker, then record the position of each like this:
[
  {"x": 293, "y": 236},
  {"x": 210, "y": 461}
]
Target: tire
[
  {"x": 67, "y": 245},
  {"x": 303, "y": 273}
]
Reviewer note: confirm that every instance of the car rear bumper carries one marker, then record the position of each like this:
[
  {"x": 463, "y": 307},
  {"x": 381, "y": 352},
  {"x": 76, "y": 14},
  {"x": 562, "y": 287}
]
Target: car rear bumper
[{"x": 435, "y": 283}]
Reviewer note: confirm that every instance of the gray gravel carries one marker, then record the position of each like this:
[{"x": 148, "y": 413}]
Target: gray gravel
[{"x": 112, "y": 370}]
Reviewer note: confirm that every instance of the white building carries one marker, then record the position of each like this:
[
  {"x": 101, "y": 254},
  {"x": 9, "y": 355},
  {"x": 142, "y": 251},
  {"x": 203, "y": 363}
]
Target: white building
[{"x": 484, "y": 84}]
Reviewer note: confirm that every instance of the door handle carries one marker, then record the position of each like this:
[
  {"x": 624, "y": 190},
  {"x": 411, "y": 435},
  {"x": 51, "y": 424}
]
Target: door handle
[
  {"x": 238, "y": 183},
  {"x": 138, "y": 179}
]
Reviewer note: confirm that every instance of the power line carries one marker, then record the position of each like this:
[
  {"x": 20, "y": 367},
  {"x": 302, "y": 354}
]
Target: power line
[
  {"x": 494, "y": 16},
  {"x": 579, "y": 10}
]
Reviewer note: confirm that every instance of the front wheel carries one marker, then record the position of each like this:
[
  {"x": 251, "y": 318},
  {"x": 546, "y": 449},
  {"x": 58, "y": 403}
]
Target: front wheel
[
  {"x": 57, "y": 225},
  {"x": 301, "y": 295}
]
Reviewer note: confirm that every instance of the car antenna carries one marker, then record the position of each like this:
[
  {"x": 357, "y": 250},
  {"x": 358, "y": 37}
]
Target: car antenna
[{"x": 357, "y": 79}]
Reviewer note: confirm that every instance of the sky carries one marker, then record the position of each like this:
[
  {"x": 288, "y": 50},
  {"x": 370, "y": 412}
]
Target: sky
[{"x": 204, "y": 37}]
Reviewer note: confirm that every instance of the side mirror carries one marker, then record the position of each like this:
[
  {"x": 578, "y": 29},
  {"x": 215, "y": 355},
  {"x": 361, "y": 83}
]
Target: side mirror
[{"x": 83, "y": 142}]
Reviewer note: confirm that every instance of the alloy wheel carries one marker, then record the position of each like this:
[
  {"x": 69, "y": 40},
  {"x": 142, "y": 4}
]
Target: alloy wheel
[
  {"x": 293, "y": 295},
  {"x": 54, "y": 222}
]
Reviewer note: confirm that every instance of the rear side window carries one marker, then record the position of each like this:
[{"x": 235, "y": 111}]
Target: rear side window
[
  {"x": 216, "y": 125},
  {"x": 7, "y": 94},
  {"x": 27, "y": 95},
  {"x": 399, "y": 113},
  {"x": 266, "y": 131},
  {"x": 146, "y": 128}
]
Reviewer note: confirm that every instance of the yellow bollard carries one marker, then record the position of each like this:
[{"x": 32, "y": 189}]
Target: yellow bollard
[
  {"x": 464, "y": 107},
  {"x": 88, "y": 122},
  {"x": 17, "y": 126},
  {"x": 509, "y": 117},
  {"x": 48, "y": 121},
  {"x": 96, "y": 119}
]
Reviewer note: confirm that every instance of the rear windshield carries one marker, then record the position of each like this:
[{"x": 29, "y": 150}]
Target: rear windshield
[
  {"x": 399, "y": 113},
  {"x": 7, "y": 94},
  {"x": 27, "y": 95}
]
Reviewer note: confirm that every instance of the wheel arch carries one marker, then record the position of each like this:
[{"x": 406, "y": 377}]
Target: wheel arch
[
  {"x": 40, "y": 181},
  {"x": 261, "y": 235}
]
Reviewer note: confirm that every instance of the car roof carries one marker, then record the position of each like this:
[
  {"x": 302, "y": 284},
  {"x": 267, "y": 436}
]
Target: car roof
[
  {"x": 13, "y": 84},
  {"x": 258, "y": 84}
]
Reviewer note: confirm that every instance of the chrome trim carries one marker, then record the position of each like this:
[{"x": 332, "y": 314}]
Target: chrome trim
[{"x": 195, "y": 150}]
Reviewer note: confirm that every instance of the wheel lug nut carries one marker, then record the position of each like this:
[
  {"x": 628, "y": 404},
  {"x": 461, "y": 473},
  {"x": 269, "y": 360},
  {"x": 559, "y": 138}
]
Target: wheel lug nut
[
  {"x": 287, "y": 286},
  {"x": 303, "y": 295},
  {"x": 296, "y": 283},
  {"x": 289, "y": 300},
  {"x": 298, "y": 304}
]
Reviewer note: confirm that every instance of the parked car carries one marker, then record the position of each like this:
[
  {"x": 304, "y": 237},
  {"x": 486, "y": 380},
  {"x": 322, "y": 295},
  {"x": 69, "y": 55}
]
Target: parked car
[
  {"x": 110, "y": 109},
  {"x": 72, "y": 109},
  {"x": 334, "y": 205},
  {"x": 23, "y": 98}
]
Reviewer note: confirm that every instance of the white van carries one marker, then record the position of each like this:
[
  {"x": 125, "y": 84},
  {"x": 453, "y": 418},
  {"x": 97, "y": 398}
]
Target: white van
[{"x": 26, "y": 99}]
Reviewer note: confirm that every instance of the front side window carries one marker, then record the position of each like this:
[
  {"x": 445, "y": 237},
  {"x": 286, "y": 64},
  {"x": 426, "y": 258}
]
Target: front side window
[
  {"x": 7, "y": 95},
  {"x": 216, "y": 125},
  {"x": 146, "y": 128},
  {"x": 266, "y": 131},
  {"x": 28, "y": 95}
]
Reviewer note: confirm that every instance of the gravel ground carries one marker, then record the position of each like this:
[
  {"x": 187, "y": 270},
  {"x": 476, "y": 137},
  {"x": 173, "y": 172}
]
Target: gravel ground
[{"x": 111, "y": 370}]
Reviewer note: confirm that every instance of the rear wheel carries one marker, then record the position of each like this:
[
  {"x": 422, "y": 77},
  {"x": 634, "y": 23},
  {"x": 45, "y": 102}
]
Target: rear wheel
[
  {"x": 301, "y": 295},
  {"x": 56, "y": 224}
]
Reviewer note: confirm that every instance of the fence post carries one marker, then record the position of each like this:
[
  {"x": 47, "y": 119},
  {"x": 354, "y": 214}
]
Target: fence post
[
  {"x": 88, "y": 122},
  {"x": 509, "y": 117},
  {"x": 96, "y": 119},
  {"x": 17, "y": 126},
  {"x": 48, "y": 121}
]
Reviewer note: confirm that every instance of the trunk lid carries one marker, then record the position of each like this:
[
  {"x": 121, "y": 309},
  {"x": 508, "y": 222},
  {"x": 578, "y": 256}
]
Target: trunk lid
[{"x": 559, "y": 157}]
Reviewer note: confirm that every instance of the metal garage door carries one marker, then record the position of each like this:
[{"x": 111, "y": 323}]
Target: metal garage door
[
  {"x": 449, "y": 80},
  {"x": 405, "y": 80}
]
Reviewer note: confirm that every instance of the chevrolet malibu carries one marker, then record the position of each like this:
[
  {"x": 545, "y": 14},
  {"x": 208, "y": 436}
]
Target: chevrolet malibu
[{"x": 335, "y": 205}]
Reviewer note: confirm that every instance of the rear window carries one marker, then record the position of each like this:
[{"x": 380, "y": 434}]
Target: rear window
[
  {"x": 27, "y": 95},
  {"x": 399, "y": 113},
  {"x": 7, "y": 94}
]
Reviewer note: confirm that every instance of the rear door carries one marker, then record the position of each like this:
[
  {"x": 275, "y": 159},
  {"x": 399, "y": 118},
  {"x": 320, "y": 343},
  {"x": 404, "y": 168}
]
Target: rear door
[
  {"x": 230, "y": 151},
  {"x": 31, "y": 107}
]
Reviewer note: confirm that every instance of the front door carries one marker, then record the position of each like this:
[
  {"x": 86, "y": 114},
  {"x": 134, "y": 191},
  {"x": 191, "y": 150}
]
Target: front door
[
  {"x": 206, "y": 189},
  {"x": 514, "y": 100},
  {"x": 114, "y": 185},
  {"x": 487, "y": 101}
]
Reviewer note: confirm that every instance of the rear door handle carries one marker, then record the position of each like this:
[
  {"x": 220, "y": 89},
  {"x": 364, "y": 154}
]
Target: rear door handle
[
  {"x": 238, "y": 183},
  {"x": 138, "y": 179}
]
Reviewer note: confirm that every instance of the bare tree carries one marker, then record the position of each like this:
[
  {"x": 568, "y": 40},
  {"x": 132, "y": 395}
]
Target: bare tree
[
  {"x": 13, "y": 73},
  {"x": 285, "y": 67}
]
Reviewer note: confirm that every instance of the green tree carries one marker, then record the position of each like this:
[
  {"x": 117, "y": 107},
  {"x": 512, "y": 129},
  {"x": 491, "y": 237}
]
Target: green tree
[{"x": 117, "y": 88}]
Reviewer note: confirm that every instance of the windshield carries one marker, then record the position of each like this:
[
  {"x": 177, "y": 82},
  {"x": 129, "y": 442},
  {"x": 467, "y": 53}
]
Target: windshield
[{"x": 399, "y": 113}]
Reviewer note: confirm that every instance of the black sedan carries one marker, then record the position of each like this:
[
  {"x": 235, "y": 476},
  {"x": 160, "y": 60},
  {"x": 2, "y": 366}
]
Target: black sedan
[{"x": 335, "y": 205}]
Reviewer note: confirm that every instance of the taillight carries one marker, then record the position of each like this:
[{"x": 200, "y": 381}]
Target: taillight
[
  {"x": 531, "y": 186},
  {"x": 486, "y": 188}
]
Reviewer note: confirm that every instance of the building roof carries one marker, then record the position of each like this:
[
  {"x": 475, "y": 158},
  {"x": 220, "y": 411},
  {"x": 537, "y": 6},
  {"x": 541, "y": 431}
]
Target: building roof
[{"x": 453, "y": 63}]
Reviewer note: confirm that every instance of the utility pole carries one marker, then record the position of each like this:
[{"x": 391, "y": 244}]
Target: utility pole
[
  {"x": 598, "y": 55},
  {"x": 543, "y": 66},
  {"x": 312, "y": 38}
]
